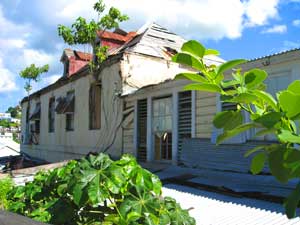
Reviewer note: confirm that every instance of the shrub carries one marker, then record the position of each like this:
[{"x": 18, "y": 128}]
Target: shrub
[
  {"x": 6, "y": 184},
  {"x": 277, "y": 115},
  {"x": 95, "y": 190}
]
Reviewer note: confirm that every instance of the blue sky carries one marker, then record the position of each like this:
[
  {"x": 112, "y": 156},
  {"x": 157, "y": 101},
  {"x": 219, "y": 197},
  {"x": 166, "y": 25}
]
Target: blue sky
[{"x": 238, "y": 29}]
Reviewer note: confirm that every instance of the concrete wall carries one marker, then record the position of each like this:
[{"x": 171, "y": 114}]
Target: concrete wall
[
  {"x": 140, "y": 70},
  {"x": 61, "y": 144}
]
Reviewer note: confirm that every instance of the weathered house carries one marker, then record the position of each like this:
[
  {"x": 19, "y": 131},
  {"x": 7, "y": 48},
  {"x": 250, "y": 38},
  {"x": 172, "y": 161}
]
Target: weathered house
[
  {"x": 134, "y": 105},
  {"x": 81, "y": 113}
]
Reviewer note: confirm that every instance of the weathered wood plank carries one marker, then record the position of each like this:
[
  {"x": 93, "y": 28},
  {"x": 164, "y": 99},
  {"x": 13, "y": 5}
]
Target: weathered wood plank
[{"x": 8, "y": 218}]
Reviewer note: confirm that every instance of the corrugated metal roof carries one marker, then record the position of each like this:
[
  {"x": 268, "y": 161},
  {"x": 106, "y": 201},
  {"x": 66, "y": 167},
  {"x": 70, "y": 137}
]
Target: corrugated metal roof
[
  {"x": 275, "y": 54},
  {"x": 211, "y": 208}
]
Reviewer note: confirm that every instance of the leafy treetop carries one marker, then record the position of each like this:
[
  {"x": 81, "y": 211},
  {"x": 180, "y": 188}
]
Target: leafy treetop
[
  {"x": 32, "y": 73},
  {"x": 277, "y": 115},
  {"x": 15, "y": 112},
  {"x": 83, "y": 32}
]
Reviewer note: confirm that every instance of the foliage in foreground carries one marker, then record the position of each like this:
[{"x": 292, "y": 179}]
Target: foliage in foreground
[
  {"x": 6, "y": 184},
  {"x": 269, "y": 115},
  {"x": 97, "y": 190}
]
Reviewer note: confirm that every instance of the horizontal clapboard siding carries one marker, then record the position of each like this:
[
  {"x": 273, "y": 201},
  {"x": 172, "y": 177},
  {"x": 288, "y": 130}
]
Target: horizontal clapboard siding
[
  {"x": 205, "y": 110},
  {"x": 226, "y": 166},
  {"x": 201, "y": 153}
]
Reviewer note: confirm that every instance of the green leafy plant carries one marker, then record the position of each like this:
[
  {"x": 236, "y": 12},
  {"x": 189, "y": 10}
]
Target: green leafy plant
[
  {"x": 97, "y": 190},
  {"x": 6, "y": 184},
  {"x": 278, "y": 115},
  {"x": 31, "y": 73},
  {"x": 85, "y": 33}
]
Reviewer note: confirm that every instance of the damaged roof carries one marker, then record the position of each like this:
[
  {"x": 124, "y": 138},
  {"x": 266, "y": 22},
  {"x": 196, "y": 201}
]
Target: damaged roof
[
  {"x": 157, "y": 41},
  {"x": 151, "y": 40}
]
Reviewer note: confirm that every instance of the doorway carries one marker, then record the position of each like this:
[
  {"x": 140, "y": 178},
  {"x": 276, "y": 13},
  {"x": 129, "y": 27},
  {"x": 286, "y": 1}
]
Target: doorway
[{"x": 162, "y": 128}]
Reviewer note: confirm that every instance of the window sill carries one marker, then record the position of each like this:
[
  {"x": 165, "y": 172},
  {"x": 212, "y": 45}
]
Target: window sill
[
  {"x": 95, "y": 128},
  {"x": 69, "y": 130}
]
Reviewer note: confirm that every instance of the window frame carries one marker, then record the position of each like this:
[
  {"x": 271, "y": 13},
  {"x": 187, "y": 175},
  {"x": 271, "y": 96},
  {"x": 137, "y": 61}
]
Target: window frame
[
  {"x": 95, "y": 114},
  {"x": 51, "y": 119},
  {"x": 70, "y": 116}
]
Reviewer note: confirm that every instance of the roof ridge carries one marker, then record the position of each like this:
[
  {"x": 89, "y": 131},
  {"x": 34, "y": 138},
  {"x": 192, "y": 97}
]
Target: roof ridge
[{"x": 275, "y": 54}]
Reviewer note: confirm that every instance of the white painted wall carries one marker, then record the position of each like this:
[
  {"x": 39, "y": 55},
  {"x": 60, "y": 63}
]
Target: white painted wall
[{"x": 61, "y": 144}]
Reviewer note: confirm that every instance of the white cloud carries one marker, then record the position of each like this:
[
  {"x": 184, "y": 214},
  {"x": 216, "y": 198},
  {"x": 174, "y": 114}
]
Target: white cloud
[
  {"x": 51, "y": 79},
  {"x": 37, "y": 57},
  {"x": 296, "y": 23},
  {"x": 279, "y": 29},
  {"x": 204, "y": 19},
  {"x": 7, "y": 79},
  {"x": 259, "y": 12}
]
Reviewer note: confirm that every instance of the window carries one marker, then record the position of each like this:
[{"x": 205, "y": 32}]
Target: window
[
  {"x": 37, "y": 126},
  {"x": 70, "y": 122},
  {"x": 95, "y": 106},
  {"x": 162, "y": 114},
  {"x": 69, "y": 110},
  {"x": 51, "y": 114},
  {"x": 36, "y": 116},
  {"x": 228, "y": 106}
]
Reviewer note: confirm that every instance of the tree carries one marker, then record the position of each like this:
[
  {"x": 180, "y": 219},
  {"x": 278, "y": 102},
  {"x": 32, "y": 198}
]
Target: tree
[
  {"x": 278, "y": 116},
  {"x": 31, "y": 73},
  {"x": 14, "y": 111},
  {"x": 4, "y": 123},
  {"x": 83, "y": 32}
]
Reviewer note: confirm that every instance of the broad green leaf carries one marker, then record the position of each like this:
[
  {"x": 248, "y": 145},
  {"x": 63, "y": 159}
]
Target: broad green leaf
[
  {"x": 228, "y": 120},
  {"x": 203, "y": 87},
  {"x": 246, "y": 98},
  {"x": 258, "y": 163},
  {"x": 276, "y": 164},
  {"x": 194, "y": 48},
  {"x": 292, "y": 161},
  {"x": 269, "y": 120},
  {"x": 188, "y": 60},
  {"x": 267, "y": 98},
  {"x": 255, "y": 77},
  {"x": 264, "y": 132},
  {"x": 253, "y": 150},
  {"x": 211, "y": 52},
  {"x": 97, "y": 194},
  {"x": 238, "y": 77},
  {"x": 289, "y": 102},
  {"x": 230, "y": 83},
  {"x": 231, "y": 133},
  {"x": 287, "y": 136},
  {"x": 191, "y": 76},
  {"x": 293, "y": 126},
  {"x": 291, "y": 202},
  {"x": 132, "y": 216},
  {"x": 229, "y": 65},
  {"x": 294, "y": 87}
]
